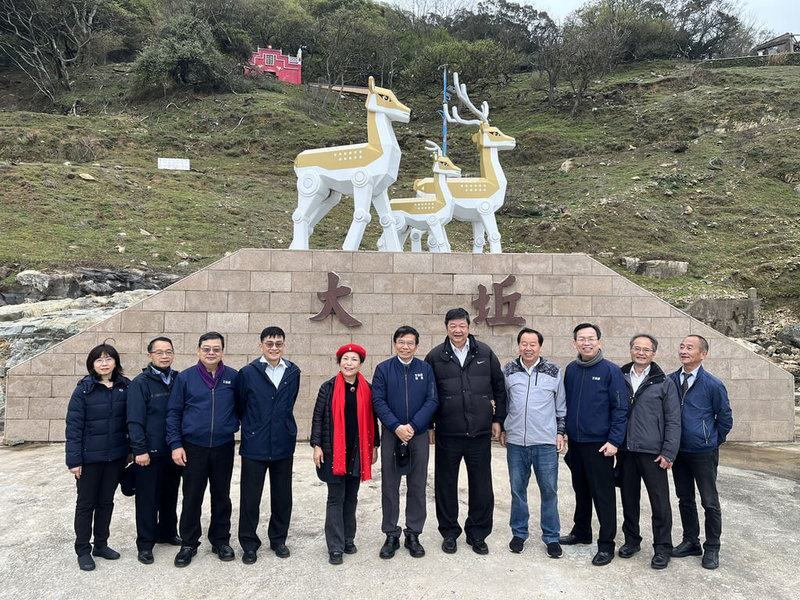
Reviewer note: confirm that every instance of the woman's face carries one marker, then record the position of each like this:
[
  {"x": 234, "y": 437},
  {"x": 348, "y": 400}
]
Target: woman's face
[
  {"x": 104, "y": 366},
  {"x": 350, "y": 364}
]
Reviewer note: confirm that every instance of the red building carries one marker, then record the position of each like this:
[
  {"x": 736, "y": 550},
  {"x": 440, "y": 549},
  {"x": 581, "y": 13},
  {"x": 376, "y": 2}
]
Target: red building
[{"x": 286, "y": 68}]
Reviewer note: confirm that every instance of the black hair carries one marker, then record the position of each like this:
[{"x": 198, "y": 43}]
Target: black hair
[
  {"x": 211, "y": 335},
  {"x": 703, "y": 342},
  {"x": 272, "y": 332},
  {"x": 159, "y": 339},
  {"x": 525, "y": 330},
  {"x": 585, "y": 326},
  {"x": 96, "y": 353},
  {"x": 653, "y": 340},
  {"x": 456, "y": 313},
  {"x": 405, "y": 330}
]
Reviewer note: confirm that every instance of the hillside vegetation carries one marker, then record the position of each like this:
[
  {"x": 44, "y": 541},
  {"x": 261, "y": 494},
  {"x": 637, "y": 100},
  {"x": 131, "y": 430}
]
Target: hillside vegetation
[{"x": 669, "y": 160}]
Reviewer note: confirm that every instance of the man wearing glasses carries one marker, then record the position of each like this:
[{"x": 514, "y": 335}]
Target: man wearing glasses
[
  {"x": 596, "y": 417},
  {"x": 266, "y": 391},
  {"x": 201, "y": 421},
  {"x": 157, "y": 476}
]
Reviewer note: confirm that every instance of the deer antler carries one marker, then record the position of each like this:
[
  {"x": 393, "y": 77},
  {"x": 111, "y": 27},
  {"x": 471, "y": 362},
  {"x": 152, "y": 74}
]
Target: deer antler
[
  {"x": 456, "y": 118},
  {"x": 433, "y": 147},
  {"x": 461, "y": 92}
]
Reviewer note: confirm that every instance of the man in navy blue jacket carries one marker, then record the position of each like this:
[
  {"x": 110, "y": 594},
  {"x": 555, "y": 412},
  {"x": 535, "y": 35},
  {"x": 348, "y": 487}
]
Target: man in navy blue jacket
[
  {"x": 404, "y": 399},
  {"x": 597, "y": 412},
  {"x": 706, "y": 420},
  {"x": 157, "y": 476},
  {"x": 266, "y": 391},
  {"x": 201, "y": 421}
]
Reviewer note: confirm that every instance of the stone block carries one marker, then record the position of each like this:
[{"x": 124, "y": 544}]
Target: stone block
[
  {"x": 497, "y": 264},
  {"x": 17, "y": 407},
  {"x": 195, "y": 281},
  {"x": 339, "y": 328},
  {"x": 457, "y": 262},
  {"x": 142, "y": 321},
  {"x": 112, "y": 324},
  {"x": 28, "y": 429},
  {"x": 228, "y": 323},
  {"x": 185, "y": 322},
  {"x": 664, "y": 327},
  {"x": 599, "y": 268},
  {"x": 248, "y": 302},
  {"x": 360, "y": 283},
  {"x": 167, "y": 300},
  {"x": 642, "y": 306},
  {"x": 80, "y": 343},
  {"x": 229, "y": 281},
  {"x": 552, "y": 285},
  {"x": 771, "y": 431},
  {"x": 533, "y": 264},
  {"x": 223, "y": 264},
  {"x": 592, "y": 285},
  {"x": 215, "y": 301},
  {"x": 390, "y": 283},
  {"x": 623, "y": 287},
  {"x": 297, "y": 302},
  {"x": 57, "y": 431},
  {"x": 271, "y": 281},
  {"x": 62, "y": 386},
  {"x": 412, "y": 303},
  {"x": 309, "y": 282},
  {"x": 338, "y": 262},
  {"x": 28, "y": 386},
  {"x": 241, "y": 344},
  {"x": 373, "y": 262},
  {"x": 442, "y": 303},
  {"x": 300, "y": 323},
  {"x": 611, "y": 306},
  {"x": 572, "y": 264},
  {"x": 522, "y": 284},
  {"x": 572, "y": 306},
  {"x": 251, "y": 259},
  {"x": 531, "y": 307},
  {"x": 55, "y": 364},
  {"x": 371, "y": 303},
  {"x": 20, "y": 369},
  {"x": 468, "y": 284},
  {"x": 48, "y": 408},
  {"x": 291, "y": 260},
  {"x": 413, "y": 262},
  {"x": 433, "y": 283}
]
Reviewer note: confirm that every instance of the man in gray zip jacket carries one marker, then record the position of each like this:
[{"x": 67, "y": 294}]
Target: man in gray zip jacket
[
  {"x": 651, "y": 445},
  {"x": 533, "y": 437}
]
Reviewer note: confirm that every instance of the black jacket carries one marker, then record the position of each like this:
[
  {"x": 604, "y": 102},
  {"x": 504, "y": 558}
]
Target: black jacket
[
  {"x": 654, "y": 414},
  {"x": 322, "y": 421},
  {"x": 147, "y": 413},
  {"x": 471, "y": 397}
]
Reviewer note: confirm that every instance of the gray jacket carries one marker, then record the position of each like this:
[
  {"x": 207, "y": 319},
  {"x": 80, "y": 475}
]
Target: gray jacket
[
  {"x": 537, "y": 404},
  {"x": 654, "y": 414}
]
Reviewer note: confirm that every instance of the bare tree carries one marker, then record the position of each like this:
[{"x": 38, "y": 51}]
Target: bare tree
[{"x": 550, "y": 56}]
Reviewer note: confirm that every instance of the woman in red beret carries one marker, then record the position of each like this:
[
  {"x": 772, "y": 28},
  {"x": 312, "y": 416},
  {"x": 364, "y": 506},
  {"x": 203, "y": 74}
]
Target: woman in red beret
[{"x": 345, "y": 438}]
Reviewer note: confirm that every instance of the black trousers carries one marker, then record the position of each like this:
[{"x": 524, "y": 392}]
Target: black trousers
[
  {"x": 340, "y": 512},
  {"x": 280, "y": 496},
  {"x": 700, "y": 469},
  {"x": 156, "y": 501},
  {"x": 212, "y": 466},
  {"x": 95, "y": 503},
  {"x": 477, "y": 455},
  {"x": 593, "y": 482},
  {"x": 637, "y": 467}
]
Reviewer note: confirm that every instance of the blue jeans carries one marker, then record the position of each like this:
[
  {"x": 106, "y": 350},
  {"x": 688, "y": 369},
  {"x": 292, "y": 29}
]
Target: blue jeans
[{"x": 544, "y": 460}]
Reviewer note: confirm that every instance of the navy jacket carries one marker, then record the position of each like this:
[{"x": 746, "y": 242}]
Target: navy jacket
[
  {"x": 96, "y": 431},
  {"x": 198, "y": 414},
  {"x": 147, "y": 413},
  {"x": 597, "y": 403},
  {"x": 471, "y": 397},
  {"x": 269, "y": 431},
  {"x": 400, "y": 396},
  {"x": 706, "y": 417}
]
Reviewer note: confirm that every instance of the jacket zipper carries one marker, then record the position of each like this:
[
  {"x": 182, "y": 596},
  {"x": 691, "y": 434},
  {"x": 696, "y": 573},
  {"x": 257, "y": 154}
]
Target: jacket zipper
[
  {"x": 578, "y": 413},
  {"x": 213, "y": 404}
]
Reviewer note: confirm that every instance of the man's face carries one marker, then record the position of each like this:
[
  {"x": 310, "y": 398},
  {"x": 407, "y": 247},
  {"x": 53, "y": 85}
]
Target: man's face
[
  {"x": 161, "y": 355},
  {"x": 210, "y": 353},
  {"x": 457, "y": 331},
  {"x": 272, "y": 349},
  {"x": 587, "y": 343},
  {"x": 406, "y": 347},
  {"x": 690, "y": 354},
  {"x": 642, "y": 353},
  {"x": 529, "y": 348}
]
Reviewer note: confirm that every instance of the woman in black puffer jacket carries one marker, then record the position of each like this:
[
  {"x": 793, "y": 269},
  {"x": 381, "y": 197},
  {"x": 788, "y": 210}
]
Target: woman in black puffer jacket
[{"x": 97, "y": 446}]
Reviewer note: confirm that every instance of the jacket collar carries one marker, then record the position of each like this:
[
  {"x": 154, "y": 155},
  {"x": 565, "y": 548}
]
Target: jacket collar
[{"x": 655, "y": 370}]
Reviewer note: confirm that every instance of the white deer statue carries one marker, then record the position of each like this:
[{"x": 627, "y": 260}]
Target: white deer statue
[
  {"x": 363, "y": 171},
  {"x": 427, "y": 213},
  {"x": 476, "y": 199}
]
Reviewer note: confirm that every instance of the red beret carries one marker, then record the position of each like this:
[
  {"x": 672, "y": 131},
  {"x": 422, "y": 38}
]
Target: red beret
[{"x": 351, "y": 348}]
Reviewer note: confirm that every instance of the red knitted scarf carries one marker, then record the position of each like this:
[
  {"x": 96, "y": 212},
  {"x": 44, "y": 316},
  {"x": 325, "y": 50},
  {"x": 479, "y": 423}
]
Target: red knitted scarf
[{"x": 366, "y": 427}]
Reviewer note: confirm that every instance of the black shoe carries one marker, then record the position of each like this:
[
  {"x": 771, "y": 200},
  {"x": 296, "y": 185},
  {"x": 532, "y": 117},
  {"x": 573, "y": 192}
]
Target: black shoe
[
  {"x": 449, "y": 545},
  {"x": 172, "y": 541},
  {"x": 105, "y": 552},
  {"x": 602, "y": 558},
  {"x": 86, "y": 562},
  {"x": 554, "y": 550},
  {"x": 572, "y": 539},
  {"x": 660, "y": 561},
  {"x": 184, "y": 556},
  {"x": 280, "y": 550},
  {"x": 350, "y": 548},
  {"x": 415, "y": 549},
  {"x": 516, "y": 545},
  {"x": 335, "y": 558},
  {"x": 478, "y": 546},
  {"x": 224, "y": 552},
  {"x": 687, "y": 549},
  {"x": 249, "y": 557},
  {"x": 145, "y": 557},
  {"x": 628, "y": 550},
  {"x": 391, "y": 544},
  {"x": 711, "y": 559}
]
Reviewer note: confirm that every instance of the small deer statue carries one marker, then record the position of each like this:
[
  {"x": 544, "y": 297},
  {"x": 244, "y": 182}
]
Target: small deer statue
[{"x": 363, "y": 171}]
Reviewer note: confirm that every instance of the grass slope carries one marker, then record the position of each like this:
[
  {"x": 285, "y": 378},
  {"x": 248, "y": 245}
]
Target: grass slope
[{"x": 669, "y": 161}]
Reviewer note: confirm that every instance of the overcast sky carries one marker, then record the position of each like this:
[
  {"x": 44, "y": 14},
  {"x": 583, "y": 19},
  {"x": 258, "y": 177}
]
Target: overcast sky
[{"x": 778, "y": 15}]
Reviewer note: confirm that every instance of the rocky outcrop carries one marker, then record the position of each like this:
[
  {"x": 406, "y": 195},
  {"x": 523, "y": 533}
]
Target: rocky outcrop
[
  {"x": 790, "y": 335},
  {"x": 658, "y": 269}
]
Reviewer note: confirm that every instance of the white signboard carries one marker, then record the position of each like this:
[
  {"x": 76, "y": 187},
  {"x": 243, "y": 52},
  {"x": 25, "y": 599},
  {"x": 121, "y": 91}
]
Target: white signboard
[{"x": 174, "y": 164}]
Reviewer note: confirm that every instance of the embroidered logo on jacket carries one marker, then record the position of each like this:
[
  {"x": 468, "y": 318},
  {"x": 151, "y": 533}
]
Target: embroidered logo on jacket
[{"x": 419, "y": 376}]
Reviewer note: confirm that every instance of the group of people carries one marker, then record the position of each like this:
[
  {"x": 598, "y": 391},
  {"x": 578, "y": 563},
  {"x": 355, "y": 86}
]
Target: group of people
[{"x": 620, "y": 426}]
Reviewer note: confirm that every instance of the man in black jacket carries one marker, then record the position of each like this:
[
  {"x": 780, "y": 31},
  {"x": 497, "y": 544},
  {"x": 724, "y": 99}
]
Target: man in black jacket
[
  {"x": 472, "y": 406},
  {"x": 651, "y": 445},
  {"x": 157, "y": 476}
]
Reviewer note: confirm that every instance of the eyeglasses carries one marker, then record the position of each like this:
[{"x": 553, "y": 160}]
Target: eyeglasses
[
  {"x": 104, "y": 359},
  {"x": 216, "y": 350},
  {"x": 640, "y": 349},
  {"x": 273, "y": 344},
  {"x": 162, "y": 353},
  {"x": 410, "y": 344},
  {"x": 585, "y": 340}
]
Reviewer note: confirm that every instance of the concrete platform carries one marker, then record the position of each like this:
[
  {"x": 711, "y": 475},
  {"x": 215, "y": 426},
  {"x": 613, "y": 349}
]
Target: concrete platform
[{"x": 759, "y": 557}]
